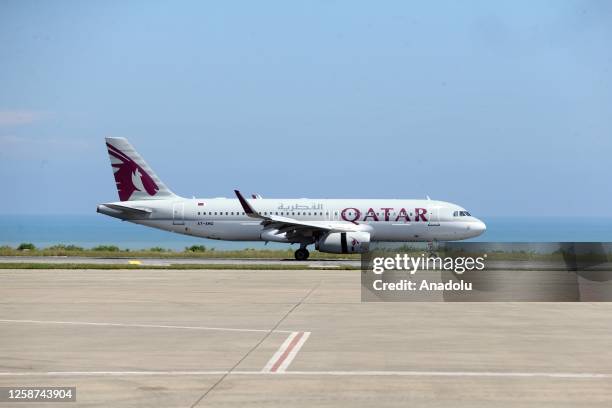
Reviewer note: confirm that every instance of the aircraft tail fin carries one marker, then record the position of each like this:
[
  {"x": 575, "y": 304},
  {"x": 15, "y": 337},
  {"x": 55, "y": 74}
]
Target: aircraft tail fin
[{"x": 134, "y": 178}]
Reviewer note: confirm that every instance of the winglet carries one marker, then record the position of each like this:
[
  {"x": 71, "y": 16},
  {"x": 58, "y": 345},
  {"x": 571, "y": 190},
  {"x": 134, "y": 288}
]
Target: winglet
[{"x": 246, "y": 206}]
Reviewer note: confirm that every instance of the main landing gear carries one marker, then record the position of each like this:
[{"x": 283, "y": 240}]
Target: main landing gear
[{"x": 302, "y": 254}]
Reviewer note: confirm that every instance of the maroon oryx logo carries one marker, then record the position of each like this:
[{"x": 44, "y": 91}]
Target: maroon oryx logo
[{"x": 129, "y": 176}]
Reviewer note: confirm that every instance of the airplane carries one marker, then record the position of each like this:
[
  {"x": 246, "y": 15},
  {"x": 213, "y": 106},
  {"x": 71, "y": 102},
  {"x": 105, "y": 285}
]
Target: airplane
[{"x": 331, "y": 225}]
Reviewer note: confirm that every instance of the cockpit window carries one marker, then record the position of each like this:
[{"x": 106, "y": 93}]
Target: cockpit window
[{"x": 461, "y": 214}]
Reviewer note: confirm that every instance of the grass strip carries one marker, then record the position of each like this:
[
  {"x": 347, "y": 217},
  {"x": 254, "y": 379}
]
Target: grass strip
[{"x": 84, "y": 266}]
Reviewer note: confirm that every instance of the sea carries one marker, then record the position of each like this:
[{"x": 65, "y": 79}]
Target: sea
[{"x": 91, "y": 230}]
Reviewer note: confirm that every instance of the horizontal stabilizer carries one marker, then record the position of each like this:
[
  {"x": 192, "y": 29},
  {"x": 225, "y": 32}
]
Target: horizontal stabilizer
[{"x": 129, "y": 210}]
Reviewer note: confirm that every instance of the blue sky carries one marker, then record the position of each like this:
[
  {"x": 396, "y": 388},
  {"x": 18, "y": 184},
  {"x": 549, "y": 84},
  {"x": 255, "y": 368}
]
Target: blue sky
[{"x": 502, "y": 107}]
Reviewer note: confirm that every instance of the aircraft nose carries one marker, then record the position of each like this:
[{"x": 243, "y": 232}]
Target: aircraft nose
[{"x": 478, "y": 227}]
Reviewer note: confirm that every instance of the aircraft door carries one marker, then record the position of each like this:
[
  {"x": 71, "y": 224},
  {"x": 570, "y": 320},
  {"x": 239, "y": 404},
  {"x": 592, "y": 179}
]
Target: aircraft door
[
  {"x": 178, "y": 213},
  {"x": 434, "y": 217},
  {"x": 334, "y": 213}
]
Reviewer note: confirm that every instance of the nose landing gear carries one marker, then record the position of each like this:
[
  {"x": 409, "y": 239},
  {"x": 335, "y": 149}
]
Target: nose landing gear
[
  {"x": 432, "y": 247},
  {"x": 302, "y": 254}
]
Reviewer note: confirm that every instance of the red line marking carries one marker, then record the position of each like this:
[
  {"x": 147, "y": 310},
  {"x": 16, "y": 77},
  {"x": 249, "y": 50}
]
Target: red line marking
[{"x": 282, "y": 358}]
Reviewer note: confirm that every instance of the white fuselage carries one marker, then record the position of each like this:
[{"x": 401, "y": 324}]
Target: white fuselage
[{"x": 383, "y": 219}]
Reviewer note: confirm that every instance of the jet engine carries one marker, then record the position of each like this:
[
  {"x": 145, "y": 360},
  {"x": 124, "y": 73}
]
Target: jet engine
[
  {"x": 274, "y": 236},
  {"x": 344, "y": 242}
]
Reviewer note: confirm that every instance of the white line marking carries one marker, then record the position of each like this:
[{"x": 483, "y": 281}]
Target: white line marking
[
  {"x": 292, "y": 353},
  {"x": 279, "y": 352},
  {"x": 452, "y": 374},
  {"x": 148, "y": 326},
  {"x": 307, "y": 373},
  {"x": 108, "y": 373},
  {"x": 286, "y": 352}
]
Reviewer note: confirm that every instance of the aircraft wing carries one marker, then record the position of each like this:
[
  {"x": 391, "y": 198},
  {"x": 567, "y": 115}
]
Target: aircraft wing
[{"x": 292, "y": 223}]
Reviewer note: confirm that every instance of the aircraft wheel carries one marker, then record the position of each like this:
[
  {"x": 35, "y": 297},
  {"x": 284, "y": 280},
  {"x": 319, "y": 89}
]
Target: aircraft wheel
[{"x": 302, "y": 254}]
